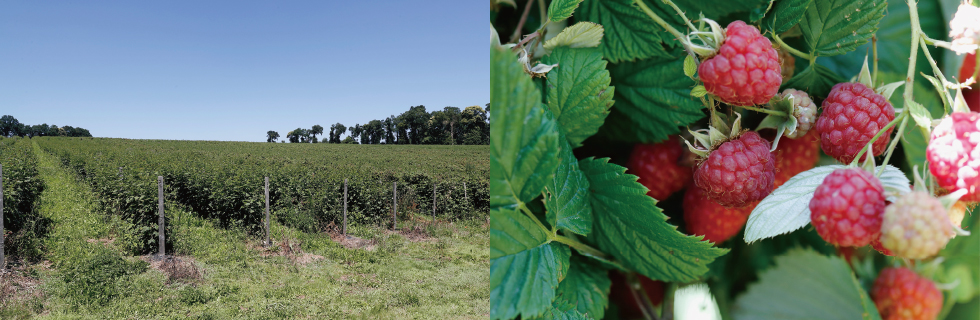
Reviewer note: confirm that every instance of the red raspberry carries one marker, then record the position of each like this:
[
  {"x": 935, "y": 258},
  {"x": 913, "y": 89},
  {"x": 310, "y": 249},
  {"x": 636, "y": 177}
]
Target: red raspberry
[
  {"x": 657, "y": 167},
  {"x": 846, "y": 208},
  {"x": 739, "y": 171},
  {"x": 795, "y": 155},
  {"x": 746, "y": 69},
  {"x": 707, "y": 218},
  {"x": 852, "y": 115},
  {"x": 899, "y": 293},
  {"x": 954, "y": 155}
]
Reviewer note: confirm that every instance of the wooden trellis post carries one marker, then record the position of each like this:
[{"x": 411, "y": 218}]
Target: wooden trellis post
[
  {"x": 345, "y": 207},
  {"x": 433, "y": 201},
  {"x": 163, "y": 250},
  {"x": 394, "y": 205},
  {"x": 268, "y": 239}
]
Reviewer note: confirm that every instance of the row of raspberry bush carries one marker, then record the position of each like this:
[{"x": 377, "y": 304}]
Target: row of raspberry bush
[
  {"x": 225, "y": 180},
  {"x": 22, "y": 187}
]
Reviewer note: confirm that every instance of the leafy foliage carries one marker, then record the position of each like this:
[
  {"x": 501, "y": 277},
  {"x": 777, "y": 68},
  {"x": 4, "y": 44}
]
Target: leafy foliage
[
  {"x": 816, "y": 80},
  {"x": 785, "y": 14},
  {"x": 567, "y": 197},
  {"x": 833, "y": 27},
  {"x": 652, "y": 101},
  {"x": 524, "y": 135},
  {"x": 805, "y": 284},
  {"x": 631, "y": 35},
  {"x": 629, "y": 225},
  {"x": 578, "y": 90}
]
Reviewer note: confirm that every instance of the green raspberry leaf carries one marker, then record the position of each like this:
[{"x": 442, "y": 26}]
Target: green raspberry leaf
[
  {"x": 785, "y": 14},
  {"x": 526, "y": 266},
  {"x": 833, "y": 27},
  {"x": 523, "y": 135},
  {"x": 581, "y": 35},
  {"x": 562, "y": 9},
  {"x": 806, "y": 285},
  {"x": 579, "y": 94},
  {"x": 629, "y": 225},
  {"x": 632, "y": 34},
  {"x": 586, "y": 286},
  {"x": 653, "y": 100},
  {"x": 563, "y": 310},
  {"x": 788, "y": 207},
  {"x": 816, "y": 80},
  {"x": 567, "y": 195}
]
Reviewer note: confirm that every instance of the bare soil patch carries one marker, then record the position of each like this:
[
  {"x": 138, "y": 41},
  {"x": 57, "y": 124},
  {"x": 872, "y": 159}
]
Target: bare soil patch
[
  {"x": 178, "y": 269},
  {"x": 18, "y": 284},
  {"x": 286, "y": 247}
]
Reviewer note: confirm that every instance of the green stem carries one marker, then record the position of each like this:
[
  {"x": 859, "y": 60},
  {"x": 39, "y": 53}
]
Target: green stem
[
  {"x": 640, "y": 296},
  {"x": 916, "y": 32},
  {"x": 857, "y": 158},
  {"x": 681, "y": 13},
  {"x": 680, "y": 37},
  {"x": 891, "y": 148},
  {"x": 789, "y": 49},
  {"x": 528, "y": 213},
  {"x": 579, "y": 246},
  {"x": 543, "y": 11},
  {"x": 935, "y": 68},
  {"x": 948, "y": 303},
  {"x": 768, "y": 111}
]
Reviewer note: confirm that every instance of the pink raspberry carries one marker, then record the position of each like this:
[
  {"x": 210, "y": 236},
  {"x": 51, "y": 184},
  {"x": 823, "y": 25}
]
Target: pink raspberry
[
  {"x": 739, "y": 171},
  {"x": 658, "y": 168},
  {"x": 746, "y": 69},
  {"x": 954, "y": 155},
  {"x": 846, "y": 208},
  {"x": 852, "y": 115}
]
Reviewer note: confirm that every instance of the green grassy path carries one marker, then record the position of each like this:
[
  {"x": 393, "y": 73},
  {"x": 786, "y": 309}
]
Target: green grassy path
[{"x": 441, "y": 278}]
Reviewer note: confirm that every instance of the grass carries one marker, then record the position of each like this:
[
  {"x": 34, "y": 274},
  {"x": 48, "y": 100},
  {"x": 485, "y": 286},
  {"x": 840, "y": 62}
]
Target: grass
[{"x": 442, "y": 276}]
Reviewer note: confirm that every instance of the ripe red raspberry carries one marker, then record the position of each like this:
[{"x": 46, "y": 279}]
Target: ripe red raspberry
[
  {"x": 852, "y": 115},
  {"x": 746, "y": 69},
  {"x": 916, "y": 226},
  {"x": 657, "y": 167},
  {"x": 899, "y": 293},
  {"x": 846, "y": 208},
  {"x": 954, "y": 154},
  {"x": 715, "y": 222},
  {"x": 795, "y": 155},
  {"x": 739, "y": 171}
]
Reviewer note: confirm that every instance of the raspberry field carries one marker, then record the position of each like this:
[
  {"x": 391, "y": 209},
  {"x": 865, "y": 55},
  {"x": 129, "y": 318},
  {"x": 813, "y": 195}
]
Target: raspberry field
[
  {"x": 82, "y": 233},
  {"x": 751, "y": 159}
]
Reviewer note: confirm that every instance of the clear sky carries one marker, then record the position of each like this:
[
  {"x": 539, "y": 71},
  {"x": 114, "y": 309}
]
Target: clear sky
[{"x": 232, "y": 70}]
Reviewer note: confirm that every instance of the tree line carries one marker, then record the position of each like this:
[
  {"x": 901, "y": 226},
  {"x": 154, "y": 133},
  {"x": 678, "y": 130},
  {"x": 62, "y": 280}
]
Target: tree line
[
  {"x": 415, "y": 126},
  {"x": 10, "y": 126}
]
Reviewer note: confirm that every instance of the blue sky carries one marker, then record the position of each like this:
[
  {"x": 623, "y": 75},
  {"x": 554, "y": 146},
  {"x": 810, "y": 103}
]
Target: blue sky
[{"x": 232, "y": 70}]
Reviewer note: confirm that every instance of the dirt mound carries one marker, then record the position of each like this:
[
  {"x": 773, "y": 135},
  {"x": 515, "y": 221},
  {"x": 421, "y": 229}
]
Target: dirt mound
[
  {"x": 180, "y": 269},
  {"x": 289, "y": 248},
  {"x": 415, "y": 233},
  {"x": 18, "y": 285}
]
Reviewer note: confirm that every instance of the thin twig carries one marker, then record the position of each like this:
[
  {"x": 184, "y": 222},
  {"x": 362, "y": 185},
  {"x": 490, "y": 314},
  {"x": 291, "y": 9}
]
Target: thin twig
[{"x": 520, "y": 24}]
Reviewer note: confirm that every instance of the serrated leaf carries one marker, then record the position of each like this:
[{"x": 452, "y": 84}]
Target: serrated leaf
[
  {"x": 699, "y": 91},
  {"x": 941, "y": 91},
  {"x": 586, "y": 287},
  {"x": 787, "y": 208},
  {"x": 785, "y": 14},
  {"x": 580, "y": 35},
  {"x": 652, "y": 101},
  {"x": 562, "y": 310},
  {"x": 567, "y": 196},
  {"x": 526, "y": 266},
  {"x": 690, "y": 67},
  {"x": 805, "y": 285},
  {"x": 629, "y": 226},
  {"x": 919, "y": 114},
  {"x": 524, "y": 134},
  {"x": 524, "y": 283},
  {"x": 636, "y": 36},
  {"x": 816, "y": 80},
  {"x": 833, "y": 27},
  {"x": 560, "y": 10},
  {"x": 889, "y": 89},
  {"x": 579, "y": 94}
]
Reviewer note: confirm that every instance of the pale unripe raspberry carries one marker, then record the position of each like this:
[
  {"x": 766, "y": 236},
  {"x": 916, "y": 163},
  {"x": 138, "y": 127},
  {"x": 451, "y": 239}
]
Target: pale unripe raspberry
[
  {"x": 804, "y": 110},
  {"x": 916, "y": 226},
  {"x": 964, "y": 29}
]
